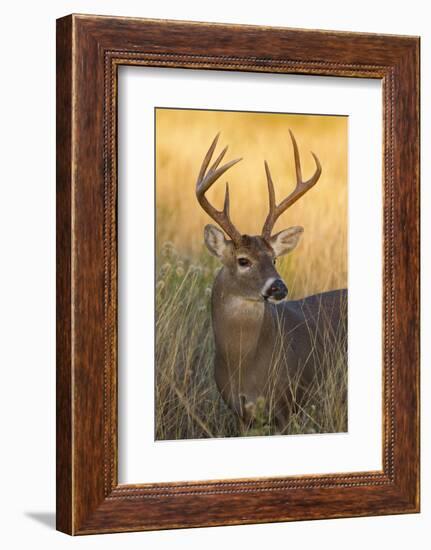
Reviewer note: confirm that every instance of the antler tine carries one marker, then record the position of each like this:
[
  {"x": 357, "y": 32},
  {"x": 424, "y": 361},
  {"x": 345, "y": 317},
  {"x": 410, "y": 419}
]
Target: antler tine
[
  {"x": 226, "y": 205},
  {"x": 207, "y": 157},
  {"x": 316, "y": 175},
  {"x": 205, "y": 181},
  {"x": 271, "y": 192},
  {"x": 219, "y": 159},
  {"x": 301, "y": 188}
]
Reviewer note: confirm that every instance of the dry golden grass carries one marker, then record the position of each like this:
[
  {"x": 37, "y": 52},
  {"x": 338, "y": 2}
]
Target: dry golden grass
[
  {"x": 187, "y": 401},
  {"x": 188, "y": 404},
  {"x": 320, "y": 261}
]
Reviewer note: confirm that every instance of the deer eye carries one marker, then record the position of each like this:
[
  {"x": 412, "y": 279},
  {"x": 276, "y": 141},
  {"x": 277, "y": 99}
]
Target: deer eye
[{"x": 244, "y": 262}]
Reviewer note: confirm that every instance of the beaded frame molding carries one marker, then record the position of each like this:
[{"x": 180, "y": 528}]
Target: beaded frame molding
[{"x": 89, "y": 51}]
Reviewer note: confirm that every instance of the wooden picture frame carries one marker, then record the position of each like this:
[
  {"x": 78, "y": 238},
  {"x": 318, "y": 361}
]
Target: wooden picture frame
[{"x": 89, "y": 51}]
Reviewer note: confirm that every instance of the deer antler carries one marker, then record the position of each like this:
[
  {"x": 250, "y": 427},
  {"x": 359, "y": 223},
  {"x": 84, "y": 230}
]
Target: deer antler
[
  {"x": 301, "y": 188},
  {"x": 206, "y": 180}
]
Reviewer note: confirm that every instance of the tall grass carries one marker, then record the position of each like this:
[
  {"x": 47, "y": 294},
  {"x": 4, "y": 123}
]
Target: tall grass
[{"x": 188, "y": 404}]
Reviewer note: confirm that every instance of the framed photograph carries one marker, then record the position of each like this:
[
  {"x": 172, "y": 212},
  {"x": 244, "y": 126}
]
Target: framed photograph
[{"x": 237, "y": 274}]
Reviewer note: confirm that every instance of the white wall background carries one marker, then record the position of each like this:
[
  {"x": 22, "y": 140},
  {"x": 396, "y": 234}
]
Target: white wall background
[{"x": 27, "y": 280}]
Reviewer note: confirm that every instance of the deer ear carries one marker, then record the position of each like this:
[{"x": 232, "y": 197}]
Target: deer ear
[
  {"x": 286, "y": 240},
  {"x": 215, "y": 240}
]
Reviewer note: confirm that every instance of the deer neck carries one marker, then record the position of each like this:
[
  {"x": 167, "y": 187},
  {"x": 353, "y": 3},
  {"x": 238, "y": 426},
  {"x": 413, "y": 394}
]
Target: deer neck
[{"x": 238, "y": 322}]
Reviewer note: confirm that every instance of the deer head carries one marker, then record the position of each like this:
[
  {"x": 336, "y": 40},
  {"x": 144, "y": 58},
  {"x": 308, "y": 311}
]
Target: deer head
[{"x": 249, "y": 261}]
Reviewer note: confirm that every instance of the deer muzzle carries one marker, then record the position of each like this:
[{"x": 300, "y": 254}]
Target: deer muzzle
[{"x": 276, "y": 290}]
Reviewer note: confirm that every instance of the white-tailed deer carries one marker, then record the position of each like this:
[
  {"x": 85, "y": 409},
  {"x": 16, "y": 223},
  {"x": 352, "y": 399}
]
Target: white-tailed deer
[{"x": 265, "y": 347}]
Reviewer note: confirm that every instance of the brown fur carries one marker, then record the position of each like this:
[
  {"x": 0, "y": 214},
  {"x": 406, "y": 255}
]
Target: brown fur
[{"x": 265, "y": 349}]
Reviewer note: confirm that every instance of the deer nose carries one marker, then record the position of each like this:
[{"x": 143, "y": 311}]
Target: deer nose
[{"x": 277, "y": 290}]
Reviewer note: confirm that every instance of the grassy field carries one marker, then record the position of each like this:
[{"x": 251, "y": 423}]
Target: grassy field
[{"x": 187, "y": 401}]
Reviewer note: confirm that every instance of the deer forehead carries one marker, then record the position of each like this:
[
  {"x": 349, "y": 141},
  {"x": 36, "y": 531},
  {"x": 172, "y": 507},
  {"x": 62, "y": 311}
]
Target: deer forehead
[{"x": 254, "y": 246}]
